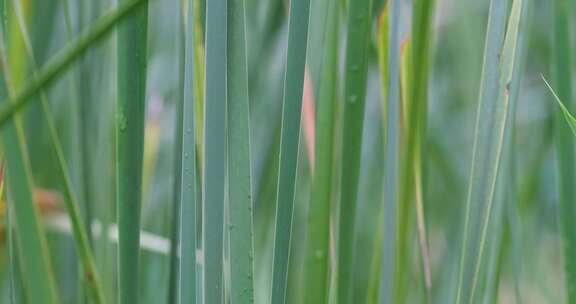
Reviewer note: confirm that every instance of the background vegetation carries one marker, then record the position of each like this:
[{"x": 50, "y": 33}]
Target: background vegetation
[{"x": 287, "y": 151}]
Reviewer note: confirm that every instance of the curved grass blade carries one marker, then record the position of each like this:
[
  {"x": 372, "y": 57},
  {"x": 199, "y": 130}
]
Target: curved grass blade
[
  {"x": 565, "y": 151},
  {"x": 239, "y": 163},
  {"x": 130, "y": 119},
  {"x": 570, "y": 120},
  {"x": 214, "y": 150},
  {"x": 58, "y": 64},
  {"x": 318, "y": 240},
  {"x": 31, "y": 241},
  {"x": 356, "y": 72},
  {"x": 188, "y": 272},
  {"x": 289, "y": 143},
  {"x": 491, "y": 122}
]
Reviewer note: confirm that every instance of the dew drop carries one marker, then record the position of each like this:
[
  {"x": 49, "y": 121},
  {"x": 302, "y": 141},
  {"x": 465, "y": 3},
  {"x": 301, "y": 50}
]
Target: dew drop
[{"x": 122, "y": 122}]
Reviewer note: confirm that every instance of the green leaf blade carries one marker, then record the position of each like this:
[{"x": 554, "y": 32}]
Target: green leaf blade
[
  {"x": 359, "y": 24},
  {"x": 214, "y": 149},
  {"x": 289, "y": 144},
  {"x": 239, "y": 160},
  {"x": 130, "y": 120}
]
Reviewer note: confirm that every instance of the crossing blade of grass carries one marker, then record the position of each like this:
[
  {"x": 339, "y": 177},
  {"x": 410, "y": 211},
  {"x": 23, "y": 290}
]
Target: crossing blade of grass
[
  {"x": 57, "y": 65},
  {"x": 491, "y": 120},
  {"x": 562, "y": 75},
  {"x": 91, "y": 277},
  {"x": 318, "y": 241},
  {"x": 239, "y": 160},
  {"x": 392, "y": 147},
  {"x": 214, "y": 150},
  {"x": 130, "y": 119},
  {"x": 358, "y": 26},
  {"x": 289, "y": 144},
  {"x": 188, "y": 271},
  {"x": 31, "y": 241}
]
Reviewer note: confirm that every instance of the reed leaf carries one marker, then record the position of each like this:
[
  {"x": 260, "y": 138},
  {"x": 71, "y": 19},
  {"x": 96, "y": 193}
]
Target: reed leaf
[
  {"x": 91, "y": 276},
  {"x": 132, "y": 53},
  {"x": 30, "y": 242},
  {"x": 491, "y": 121},
  {"x": 239, "y": 160},
  {"x": 422, "y": 18},
  {"x": 511, "y": 67},
  {"x": 392, "y": 157},
  {"x": 214, "y": 150},
  {"x": 289, "y": 144},
  {"x": 565, "y": 151},
  {"x": 570, "y": 120},
  {"x": 317, "y": 261},
  {"x": 175, "y": 234},
  {"x": 358, "y": 26},
  {"x": 188, "y": 272}
]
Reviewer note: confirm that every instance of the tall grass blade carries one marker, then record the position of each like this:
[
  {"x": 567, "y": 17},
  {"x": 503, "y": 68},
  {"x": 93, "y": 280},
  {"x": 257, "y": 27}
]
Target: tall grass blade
[
  {"x": 491, "y": 121},
  {"x": 289, "y": 143},
  {"x": 318, "y": 236},
  {"x": 174, "y": 273},
  {"x": 239, "y": 160},
  {"x": 214, "y": 150},
  {"x": 416, "y": 95},
  {"x": 31, "y": 241},
  {"x": 392, "y": 157},
  {"x": 565, "y": 151},
  {"x": 91, "y": 277},
  {"x": 511, "y": 67},
  {"x": 188, "y": 272},
  {"x": 359, "y": 24},
  {"x": 130, "y": 119},
  {"x": 58, "y": 64}
]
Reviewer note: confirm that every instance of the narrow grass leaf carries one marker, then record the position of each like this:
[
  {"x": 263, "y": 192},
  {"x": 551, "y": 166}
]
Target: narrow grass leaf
[
  {"x": 356, "y": 72},
  {"x": 392, "y": 157},
  {"x": 318, "y": 240},
  {"x": 130, "y": 119},
  {"x": 188, "y": 272},
  {"x": 214, "y": 150},
  {"x": 422, "y": 26},
  {"x": 91, "y": 277},
  {"x": 289, "y": 143},
  {"x": 31, "y": 241},
  {"x": 509, "y": 89},
  {"x": 174, "y": 273},
  {"x": 564, "y": 146},
  {"x": 491, "y": 120},
  {"x": 239, "y": 160},
  {"x": 570, "y": 120}
]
